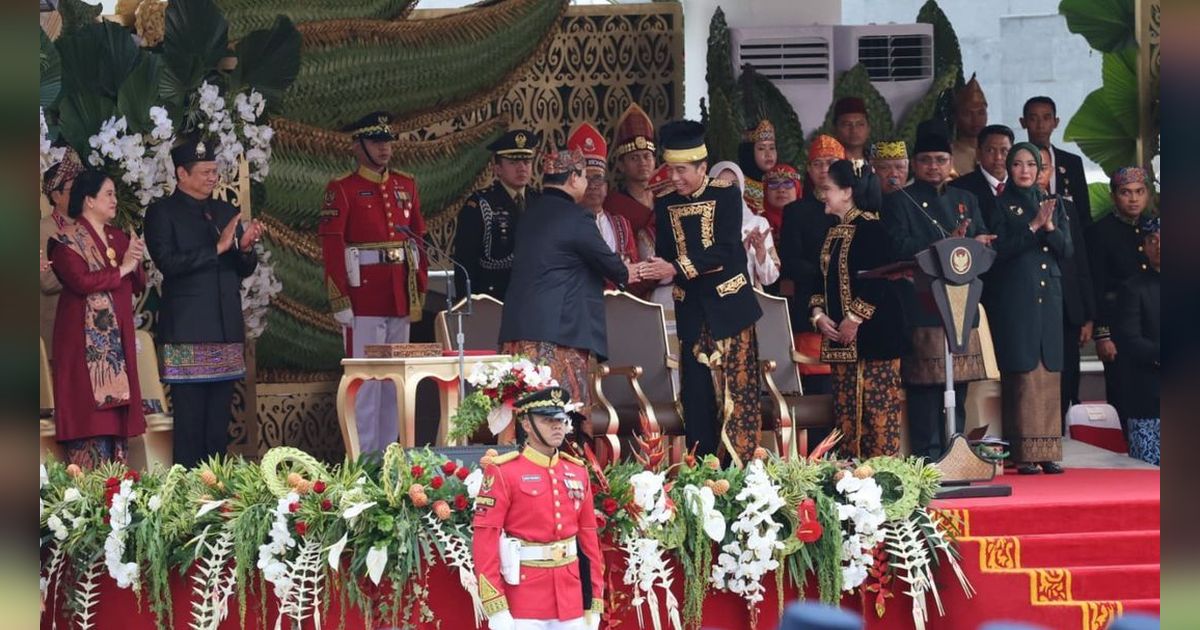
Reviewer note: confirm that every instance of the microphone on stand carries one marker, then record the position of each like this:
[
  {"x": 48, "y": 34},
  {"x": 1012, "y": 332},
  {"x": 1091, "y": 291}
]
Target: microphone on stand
[
  {"x": 458, "y": 314},
  {"x": 896, "y": 182}
]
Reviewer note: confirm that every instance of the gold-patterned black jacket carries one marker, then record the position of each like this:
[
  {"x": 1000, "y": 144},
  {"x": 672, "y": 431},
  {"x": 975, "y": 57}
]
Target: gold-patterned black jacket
[
  {"x": 701, "y": 234},
  {"x": 860, "y": 243}
]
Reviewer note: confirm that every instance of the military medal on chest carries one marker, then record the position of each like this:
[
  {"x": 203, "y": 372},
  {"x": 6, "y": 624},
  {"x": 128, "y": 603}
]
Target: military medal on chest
[{"x": 403, "y": 201}]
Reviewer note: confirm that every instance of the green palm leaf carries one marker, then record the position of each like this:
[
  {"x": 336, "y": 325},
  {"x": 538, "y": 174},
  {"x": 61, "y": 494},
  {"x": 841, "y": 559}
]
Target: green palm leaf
[
  {"x": 1106, "y": 125},
  {"x": 763, "y": 100},
  {"x": 857, "y": 82},
  {"x": 51, "y": 72},
  {"x": 289, "y": 344},
  {"x": 946, "y": 51},
  {"x": 250, "y": 15},
  {"x": 1107, "y": 25},
  {"x": 350, "y": 69},
  {"x": 722, "y": 121}
]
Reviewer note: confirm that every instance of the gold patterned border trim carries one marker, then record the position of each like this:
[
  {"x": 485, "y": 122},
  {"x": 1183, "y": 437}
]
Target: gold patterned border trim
[
  {"x": 305, "y": 244},
  {"x": 956, "y": 521},
  {"x": 298, "y": 136},
  {"x": 732, "y": 285},
  {"x": 305, "y": 314},
  {"x": 1098, "y": 615}
]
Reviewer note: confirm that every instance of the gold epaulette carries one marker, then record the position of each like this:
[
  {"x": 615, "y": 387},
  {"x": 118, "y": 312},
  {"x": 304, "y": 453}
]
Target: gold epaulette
[
  {"x": 571, "y": 458},
  {"x": 507, "y": 457},
  {"x": 871, "y": 216},
  {"x": 719, "y": 183}
]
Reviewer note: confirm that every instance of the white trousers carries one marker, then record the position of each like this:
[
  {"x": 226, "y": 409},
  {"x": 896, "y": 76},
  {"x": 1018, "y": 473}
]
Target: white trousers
[
  {"x": 549, "y": 624},
  {"x": 375, "y": 405}
]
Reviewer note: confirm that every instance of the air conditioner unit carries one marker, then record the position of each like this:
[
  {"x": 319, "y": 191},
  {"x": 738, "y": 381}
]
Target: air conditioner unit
[
  {"x": 898, "y": 57},
  {"x": 797, "y": 60}
]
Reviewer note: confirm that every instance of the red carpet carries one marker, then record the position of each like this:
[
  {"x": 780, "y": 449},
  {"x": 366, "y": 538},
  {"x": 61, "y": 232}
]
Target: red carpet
[{"x": 1067, "y": 551}]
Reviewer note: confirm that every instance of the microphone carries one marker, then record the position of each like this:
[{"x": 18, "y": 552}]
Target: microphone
[
  {"x": 404, "y": 229},
  {"x": 896, "y": 182}
]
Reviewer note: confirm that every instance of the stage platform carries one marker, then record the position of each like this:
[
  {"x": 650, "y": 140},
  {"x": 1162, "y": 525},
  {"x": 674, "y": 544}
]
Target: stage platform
[{"x": 1068, "y": 552}]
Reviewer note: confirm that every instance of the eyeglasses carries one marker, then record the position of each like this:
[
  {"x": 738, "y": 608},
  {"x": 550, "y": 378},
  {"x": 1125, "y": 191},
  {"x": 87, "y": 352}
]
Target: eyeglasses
[
  {"x": 926, "y": 160},
  {"x": 781, "y": 184}
]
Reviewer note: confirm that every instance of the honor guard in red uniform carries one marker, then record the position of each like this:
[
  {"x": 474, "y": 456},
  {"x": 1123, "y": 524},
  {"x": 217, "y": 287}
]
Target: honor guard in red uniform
[
  {"x": 375, "y": 271},
  {"x": 536, "y": 551}
]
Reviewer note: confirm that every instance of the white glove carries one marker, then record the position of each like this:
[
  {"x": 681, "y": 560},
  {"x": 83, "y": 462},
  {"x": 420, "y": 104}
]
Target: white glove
[
  {"x": 502, "y": 620},
  {"x": 592, "y": 619},
  {"x": 345, "y": 317}
]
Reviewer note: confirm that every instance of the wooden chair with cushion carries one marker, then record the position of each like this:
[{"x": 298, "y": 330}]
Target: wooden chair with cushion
[
  {"x": 481, "y": 329},
  {"x": 785, "y": 407},
  {"x": 155, "y": 447},
  {"x": 635, "y": 383},
  {"x": 48, "y": 439}
]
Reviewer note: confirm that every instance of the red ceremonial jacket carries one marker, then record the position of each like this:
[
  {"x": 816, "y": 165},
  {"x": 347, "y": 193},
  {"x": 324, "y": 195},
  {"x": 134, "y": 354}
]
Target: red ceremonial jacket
[
  {"x": 366, "y": 209},
  {"x": 537, "y": 499}
]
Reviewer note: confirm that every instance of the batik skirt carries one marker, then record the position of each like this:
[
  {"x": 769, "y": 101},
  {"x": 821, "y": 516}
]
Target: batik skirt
[
  {"x": 866, "y": 407},
  {"x": 1031, "y": 414}
]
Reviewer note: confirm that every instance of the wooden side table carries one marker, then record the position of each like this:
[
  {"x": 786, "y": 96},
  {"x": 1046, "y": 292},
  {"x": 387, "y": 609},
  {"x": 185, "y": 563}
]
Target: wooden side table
[{"x": 406, "y": 373}]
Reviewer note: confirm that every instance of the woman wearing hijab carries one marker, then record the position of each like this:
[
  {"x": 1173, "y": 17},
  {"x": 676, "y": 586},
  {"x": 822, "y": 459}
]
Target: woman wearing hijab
[
  {"x": 762, "y": 261},
  {"x": 1032, "y": 239},
  {"x": 757, "y": 154},
  {"x": 860, "y": 319},
  {"x": 97, "y": 401}
]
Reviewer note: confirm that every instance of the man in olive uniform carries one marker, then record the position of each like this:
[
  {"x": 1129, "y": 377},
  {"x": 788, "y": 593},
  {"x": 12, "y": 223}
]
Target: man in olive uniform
[
  {"x": 203, "y": 252},
  {"x": 918, "y": 215},
  {"x": 1116, "y": 253},
  {"x": 535, "y": 547},
  {"x": 487, "y": 224},
  {"x": 375, "y": 271},
  {"x": 699, "y": 247}
]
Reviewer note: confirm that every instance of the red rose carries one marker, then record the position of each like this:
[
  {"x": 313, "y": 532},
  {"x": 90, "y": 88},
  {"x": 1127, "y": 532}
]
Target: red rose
[
  {"x": 294, "y": 507},
  {"x": 462, "y": 473},
  {"x": 436, "y": 483},
  {"x": 610, "y": 506},
  {"x": 301, "y": 528},
  {"x": 112, "y": 482},
  {"x": 449, "y": 467},
  {"x": 133, "y": 475},
  {"x": 417, "y": 471},
  {"x": 319, "y": 487},
  {"x": 326, "y": 505},
  {"x": 460, "y": 502}
]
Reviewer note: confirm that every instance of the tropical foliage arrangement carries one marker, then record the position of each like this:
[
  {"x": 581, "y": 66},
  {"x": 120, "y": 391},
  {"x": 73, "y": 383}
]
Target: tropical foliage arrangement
[
  {"x": 363, "y": 531},
  {"x": 497, "y": 387},
  {"x": 1106, "y": 126}
]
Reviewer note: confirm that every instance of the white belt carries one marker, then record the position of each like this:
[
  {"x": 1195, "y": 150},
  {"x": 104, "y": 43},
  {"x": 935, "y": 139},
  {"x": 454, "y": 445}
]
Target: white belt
[
  {"x": 380, "y": 256},
  {"x": 553, "y": 551}
]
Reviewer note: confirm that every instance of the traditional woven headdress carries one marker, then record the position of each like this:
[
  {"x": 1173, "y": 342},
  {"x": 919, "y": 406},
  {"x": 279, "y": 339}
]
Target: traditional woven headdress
[
  {"x": 1128, "y": 175},
  {"x": 562, "y": 161},
  {"x": 824, "y": 146},
  {"x": 889, "y": 150},
  {"x": 634, "y": 132},
  {"x": 63, "y": 172},
  {"x": 587, "y": 139},
  {"x": 764, "y": 132}
]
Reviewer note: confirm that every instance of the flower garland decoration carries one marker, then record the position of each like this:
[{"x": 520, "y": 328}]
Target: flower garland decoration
[
  {"x": 497, "y": 387},
  {"x": 257, "y": 291},
  {"x": 647, "y": 566},
  {"x": 863, "y": 508},
  {"x": 295, "y": 523},
  {"x": 49, "y": 154},
  {"x": 120, "y": 497},
  {"x": 142, "y": 163},
  {"x": 744, "y": 561},
  {"x": 215, "y": 119}
]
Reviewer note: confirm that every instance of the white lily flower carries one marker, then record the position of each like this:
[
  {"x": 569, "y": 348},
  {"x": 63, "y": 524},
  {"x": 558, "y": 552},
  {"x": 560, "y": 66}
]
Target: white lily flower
[
  {"x": 377, "y": 558},
  {"x": 335, "y": 552},
  {"x": 356, "y": 509},
  {"x": 209, "y": 506}
]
